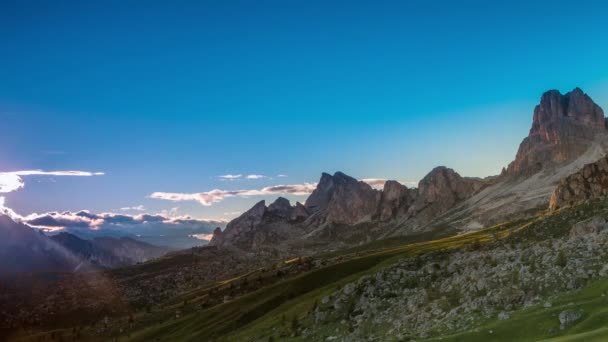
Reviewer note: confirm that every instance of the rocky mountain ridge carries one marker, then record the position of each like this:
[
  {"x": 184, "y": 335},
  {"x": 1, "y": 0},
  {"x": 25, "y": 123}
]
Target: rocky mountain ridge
[
  {"x": 563, "y": 128},
  {"x": 342, "y": 200},
  {"x": 568, "y": 131}
]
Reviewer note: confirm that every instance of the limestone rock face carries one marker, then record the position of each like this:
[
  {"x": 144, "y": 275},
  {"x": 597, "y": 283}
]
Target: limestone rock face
[
  {"x": 299, "y": 212},
  {"x": 440, "y": 190},
  {"x": 281, "y": 208},
  {"x": 262, "y": 226},
  {"x": 341, "y": 199},
  {"x": 563, "y": 128},
  {"x": 395, "y": 200},
  {"x": 591, "y": 182},
  {"x": 240, "y": 226}
]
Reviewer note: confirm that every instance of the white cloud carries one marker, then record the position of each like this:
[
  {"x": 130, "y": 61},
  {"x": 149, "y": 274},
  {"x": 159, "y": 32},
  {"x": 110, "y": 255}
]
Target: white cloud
[
  {"x": 210, "y": 197},
  {"x": 256, "y": 177},
  {"x": 229, "y": 177},
  {"x": 378, "y": 183},
  {"x": 13, "y": 181},
  {"x": 281, "y": 176},
  {"x": 86, "y": 219},
  {"x": 171, "y": 212},
  {"x": 206, "y": 237},
  {"x": 135, "y": 208},
  {"x": 178, "y": 232}
]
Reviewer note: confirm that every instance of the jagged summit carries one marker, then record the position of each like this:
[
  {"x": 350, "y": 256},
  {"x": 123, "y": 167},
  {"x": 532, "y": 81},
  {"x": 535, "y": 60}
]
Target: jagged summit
[
  {"x": 563, "y": 128},
  {"x": 326, "y": 188},
  {"x": 341, "y": 199}
]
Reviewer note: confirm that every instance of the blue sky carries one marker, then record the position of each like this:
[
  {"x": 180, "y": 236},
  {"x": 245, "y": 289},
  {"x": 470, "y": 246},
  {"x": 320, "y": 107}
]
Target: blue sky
[{"x": 166, "y": 96}]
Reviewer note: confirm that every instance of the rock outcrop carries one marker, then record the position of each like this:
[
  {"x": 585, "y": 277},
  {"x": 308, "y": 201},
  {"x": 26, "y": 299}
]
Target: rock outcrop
[
  {"x": 262, "y": 225},
  {"x": 396, "y": 199},
  {"x": 591, "y": 182},
  {"x": 341, "y": 199},
  {"x": 440, "y": 190},
  {"x": 563, "y": 128}
]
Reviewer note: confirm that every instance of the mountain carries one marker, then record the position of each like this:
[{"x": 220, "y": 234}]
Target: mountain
[
  {"x": 440, "y": 190},
  {"x": 564, "y": 127},
  {"x": 23, "y": 249},
  {"x": 395, "y": 200},
  {"x": 109, "y": 252},
  {"x": 341, "y": 199},
  {"x": 262, "y": 226},
  {"x": 568, "y": 131},
  {"x": 340, "y": 202}
]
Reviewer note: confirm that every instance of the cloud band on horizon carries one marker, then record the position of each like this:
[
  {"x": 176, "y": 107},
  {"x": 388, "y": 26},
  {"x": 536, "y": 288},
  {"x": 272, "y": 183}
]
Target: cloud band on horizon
[
  {"x": 13, "y": 180},
  {"x": 214, "y": 196}
]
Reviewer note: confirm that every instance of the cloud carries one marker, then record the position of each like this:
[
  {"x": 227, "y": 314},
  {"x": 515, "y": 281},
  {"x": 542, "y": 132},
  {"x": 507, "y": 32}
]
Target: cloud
[
  {"x": 86, "y": 219},
  {"x": 13, "y": 181},
  {"x": 177, "y": 232},
  {"x": 256, "y": 177},
  {"x": 210, "y": 197},
  {"x": 135, "y": 208},
  {"x": 206, "y": 237},
  {"x": 229, "y": 177},
  {"x": 281, "y": 176},
  {"x": 378, "y": 183}
]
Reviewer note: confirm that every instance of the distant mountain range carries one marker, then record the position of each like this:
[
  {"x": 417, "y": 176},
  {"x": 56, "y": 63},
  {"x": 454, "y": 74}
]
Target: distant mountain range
[{"x": 24, "y": 249}]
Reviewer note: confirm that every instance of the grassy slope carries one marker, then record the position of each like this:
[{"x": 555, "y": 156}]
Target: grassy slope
[{"x": 255, "y": 316}]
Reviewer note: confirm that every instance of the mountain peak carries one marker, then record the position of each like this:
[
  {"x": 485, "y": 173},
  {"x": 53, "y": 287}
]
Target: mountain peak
[{"x": 564, "y": 126}]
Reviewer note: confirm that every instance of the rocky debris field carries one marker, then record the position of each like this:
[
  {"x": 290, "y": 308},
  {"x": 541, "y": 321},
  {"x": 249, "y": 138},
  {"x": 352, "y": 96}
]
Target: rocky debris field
[{"x": 443, "y": 292}]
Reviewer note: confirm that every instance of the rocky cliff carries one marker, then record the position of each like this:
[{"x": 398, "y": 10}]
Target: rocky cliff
[
  {"x": 440, "y": 190},
  {"x": 591, "y": 182},
  {"x": 262, "y": 225},
  {"x": 341, "y": 199},
  {"x": 563, "y": 128},
  {"x": 395, "y": 200}
]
